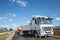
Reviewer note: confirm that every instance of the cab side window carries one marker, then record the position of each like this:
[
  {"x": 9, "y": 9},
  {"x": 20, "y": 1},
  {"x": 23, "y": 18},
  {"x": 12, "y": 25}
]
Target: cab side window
[{"x": 35, "y": 22}]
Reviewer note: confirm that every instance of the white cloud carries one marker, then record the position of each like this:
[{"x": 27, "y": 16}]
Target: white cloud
[
  {"x": 14, "y": 25},
  {"x": 1, "y": 18},
  {"x": 12, "y": 14},
  {"x": 12, "y": 0},
  {"x": 10, "y": 20},
  {"x": 58, "y": 19},
  {"x": 24, "y": 18},
  {"x": 4, "y": 25},
  {"x": 20, "y": 2},
  {"x": 28, "y": 21},
  {"x": 5, "y": 17}
]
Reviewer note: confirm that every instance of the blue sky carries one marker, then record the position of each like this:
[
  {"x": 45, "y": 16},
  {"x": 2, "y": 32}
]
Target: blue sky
[{"x": 16, "y": 12}]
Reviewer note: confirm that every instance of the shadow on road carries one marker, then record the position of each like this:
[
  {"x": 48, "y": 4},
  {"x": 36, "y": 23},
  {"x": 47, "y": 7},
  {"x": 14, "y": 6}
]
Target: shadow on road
[
  {"x": 24, "y": 36},
  {"x": 28, "y": 36}
]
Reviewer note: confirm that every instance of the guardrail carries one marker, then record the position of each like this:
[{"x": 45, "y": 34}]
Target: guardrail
[
  {"x": 3, "y": 33},
  {"x": 11, "y": 36}
]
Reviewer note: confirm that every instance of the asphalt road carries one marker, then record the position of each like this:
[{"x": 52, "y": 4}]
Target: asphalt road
[{"x": 22, "y": 37}]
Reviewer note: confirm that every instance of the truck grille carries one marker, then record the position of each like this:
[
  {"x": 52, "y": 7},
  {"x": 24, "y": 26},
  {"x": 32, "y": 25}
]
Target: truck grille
[{"x": 46, "y": 28}]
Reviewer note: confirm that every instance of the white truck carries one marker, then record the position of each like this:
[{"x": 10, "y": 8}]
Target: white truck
[{"x": 40, "y": 25}]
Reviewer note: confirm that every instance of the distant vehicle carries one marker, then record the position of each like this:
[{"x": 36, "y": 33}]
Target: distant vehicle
[{"x": 40, "y": 26}]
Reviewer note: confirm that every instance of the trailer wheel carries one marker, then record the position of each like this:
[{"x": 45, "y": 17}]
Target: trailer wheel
[{"x": 25, "y": 33}]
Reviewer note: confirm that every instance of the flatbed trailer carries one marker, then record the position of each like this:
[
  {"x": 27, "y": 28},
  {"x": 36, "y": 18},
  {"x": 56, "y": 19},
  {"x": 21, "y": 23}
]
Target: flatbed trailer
[{"x": 27, "y": 30}]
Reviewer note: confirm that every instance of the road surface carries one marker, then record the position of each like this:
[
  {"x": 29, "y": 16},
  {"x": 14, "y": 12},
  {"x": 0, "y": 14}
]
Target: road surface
[{"x": 22, "y": 37}]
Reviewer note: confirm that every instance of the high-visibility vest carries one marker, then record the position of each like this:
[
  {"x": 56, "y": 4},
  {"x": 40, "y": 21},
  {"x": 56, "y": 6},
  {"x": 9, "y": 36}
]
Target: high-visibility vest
[{"x": 18, "y": 30}]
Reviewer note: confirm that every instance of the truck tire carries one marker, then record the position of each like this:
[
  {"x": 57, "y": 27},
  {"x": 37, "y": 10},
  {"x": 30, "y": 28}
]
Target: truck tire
[
  {"x": 35, "y": 34},
  {"x": 25, "y": 33}
]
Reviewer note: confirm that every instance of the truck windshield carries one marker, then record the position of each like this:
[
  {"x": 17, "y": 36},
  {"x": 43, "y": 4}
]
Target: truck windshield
[
  {"x": 46, "y": 21},
  {"x": 43, "y": 21}
]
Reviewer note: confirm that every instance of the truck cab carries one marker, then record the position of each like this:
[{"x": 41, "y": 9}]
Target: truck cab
[{"x": 42, "y": 25}]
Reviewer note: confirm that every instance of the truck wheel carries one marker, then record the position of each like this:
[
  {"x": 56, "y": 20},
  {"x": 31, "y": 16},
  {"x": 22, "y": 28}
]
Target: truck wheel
[
  {"x": 35, "y": 33},
  {"x": 36, "y": 36},
  {"x": 26, "y": 33}
]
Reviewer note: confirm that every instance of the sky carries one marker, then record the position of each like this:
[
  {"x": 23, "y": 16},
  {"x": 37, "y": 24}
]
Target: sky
[{"x": 14, "y": 13}]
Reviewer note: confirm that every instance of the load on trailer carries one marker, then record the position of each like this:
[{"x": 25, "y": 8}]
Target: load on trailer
[{"x": 40, "y": 25}]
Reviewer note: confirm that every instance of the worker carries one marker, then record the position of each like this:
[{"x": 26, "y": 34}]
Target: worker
[{"x": 18, "y": 31}]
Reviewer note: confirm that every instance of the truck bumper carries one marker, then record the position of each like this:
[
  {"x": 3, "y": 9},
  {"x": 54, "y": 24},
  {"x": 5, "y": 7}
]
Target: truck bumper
[{"x": 49, "y": 34}]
